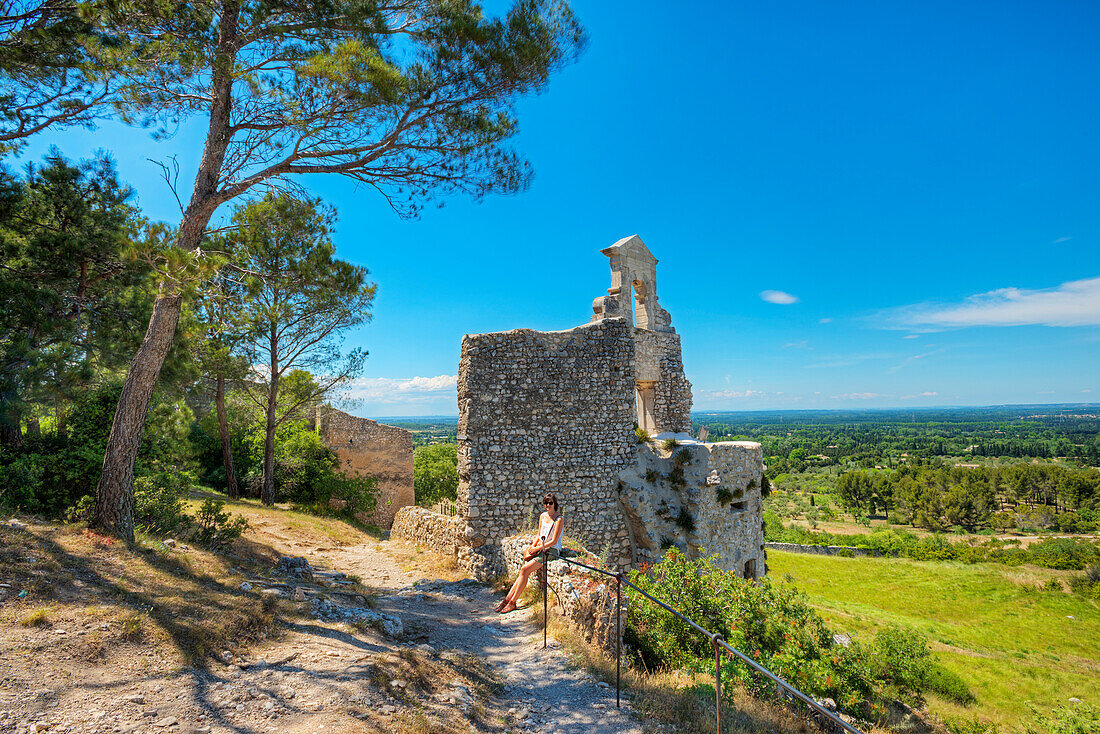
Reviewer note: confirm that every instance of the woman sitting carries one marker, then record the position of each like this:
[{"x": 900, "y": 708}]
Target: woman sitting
[{"x": 551, "y": 524}]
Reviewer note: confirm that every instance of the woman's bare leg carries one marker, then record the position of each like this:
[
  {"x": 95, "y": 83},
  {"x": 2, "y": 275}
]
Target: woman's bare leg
[{"x": 521, "y": 581}]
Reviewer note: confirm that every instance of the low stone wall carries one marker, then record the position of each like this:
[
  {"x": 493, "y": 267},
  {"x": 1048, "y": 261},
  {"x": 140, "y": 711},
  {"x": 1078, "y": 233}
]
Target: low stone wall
[
  {"x": 585, "y": 598},
  {"x": 821, "y": 550},
  {"x": 437, "y": 533}
]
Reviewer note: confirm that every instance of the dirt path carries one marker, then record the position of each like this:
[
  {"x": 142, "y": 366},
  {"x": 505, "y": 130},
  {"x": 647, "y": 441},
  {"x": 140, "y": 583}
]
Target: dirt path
[
  {"x": 454, "y": 667},
  {"x": 540, "y": 692}
]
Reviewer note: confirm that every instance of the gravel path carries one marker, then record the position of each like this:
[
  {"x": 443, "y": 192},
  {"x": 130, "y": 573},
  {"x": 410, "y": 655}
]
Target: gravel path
[{"x": 541, "y": 691}]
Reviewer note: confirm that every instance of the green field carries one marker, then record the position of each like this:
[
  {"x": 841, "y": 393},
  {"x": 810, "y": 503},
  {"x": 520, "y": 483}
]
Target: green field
[{"x": 1010, "y": 642}]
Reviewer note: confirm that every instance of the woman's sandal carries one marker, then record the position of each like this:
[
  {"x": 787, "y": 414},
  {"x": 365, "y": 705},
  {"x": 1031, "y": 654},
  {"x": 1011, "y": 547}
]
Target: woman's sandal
[
  {"x": 502, "y": 604},
  {"x": 509, "y": 607}
]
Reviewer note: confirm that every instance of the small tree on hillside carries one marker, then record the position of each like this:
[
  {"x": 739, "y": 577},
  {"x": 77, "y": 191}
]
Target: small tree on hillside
[{"x": 298, "y": 301}]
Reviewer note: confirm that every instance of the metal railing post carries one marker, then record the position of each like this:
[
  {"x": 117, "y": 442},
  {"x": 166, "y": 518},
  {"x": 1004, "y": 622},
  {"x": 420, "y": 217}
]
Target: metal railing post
[
  {"x": 545, "y": 589},
  {"x": 618, "y": 634},
  {"x": 717, "y": 683}
]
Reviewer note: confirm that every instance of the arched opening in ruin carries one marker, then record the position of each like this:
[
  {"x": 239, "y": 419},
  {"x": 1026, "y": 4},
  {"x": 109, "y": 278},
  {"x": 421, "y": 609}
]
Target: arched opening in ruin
[
  {"x": 643, "y": 317},
  {"x": 645, "y": 398}
]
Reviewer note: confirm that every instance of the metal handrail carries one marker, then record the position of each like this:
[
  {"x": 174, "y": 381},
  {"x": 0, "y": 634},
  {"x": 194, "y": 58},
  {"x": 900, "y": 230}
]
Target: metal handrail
[{"x": 719, "y": 644}]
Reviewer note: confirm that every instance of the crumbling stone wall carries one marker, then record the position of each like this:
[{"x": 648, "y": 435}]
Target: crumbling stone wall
[
  {"x": 544, "y": 412},
  {"x": 368, "y": 448},
  {"x": 658, "y": 360},
  {"x": 700, "y": 497}
]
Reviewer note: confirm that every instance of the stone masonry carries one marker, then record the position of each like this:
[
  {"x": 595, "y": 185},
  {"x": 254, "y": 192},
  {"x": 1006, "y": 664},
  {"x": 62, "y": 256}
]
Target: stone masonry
[
  {"x": 373, "y": 449},
  {"x": 557, "y": 411}
]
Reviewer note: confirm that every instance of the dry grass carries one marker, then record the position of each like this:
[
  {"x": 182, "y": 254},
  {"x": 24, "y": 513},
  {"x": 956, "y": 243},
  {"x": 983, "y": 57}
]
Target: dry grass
[
  {"x": 424, "y": 678},
  {"x": 681, "y": 700},
  {"x": 182, "y": 604},
  {"x": 37, "y": 618},
  {"x": 426, "y": 563}
]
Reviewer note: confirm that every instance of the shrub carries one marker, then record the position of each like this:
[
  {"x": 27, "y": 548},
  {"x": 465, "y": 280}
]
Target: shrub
[
  {"x": 651, "y": 475},
  {"x": 82, "y": 510},
  {"x": 158, "y": 502},
  {"x": 773, "y": 624},
  {"x": 1064, "y": 553},
  {"x": 681, "y": 458},
  {"x": 641, "y": 435},
  {"x": 216, "y": 527},
  {"x": 723, "y": 495},
  {"x": 669, "y": 444},
  {"x": 846, "y": 553},
  {"x": 684, "y": 520}
]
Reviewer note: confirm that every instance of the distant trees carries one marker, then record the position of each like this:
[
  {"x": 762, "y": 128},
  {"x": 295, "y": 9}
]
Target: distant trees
[
  {"x": 435, "y": 471},
  {"x": 938, "y": 498}
]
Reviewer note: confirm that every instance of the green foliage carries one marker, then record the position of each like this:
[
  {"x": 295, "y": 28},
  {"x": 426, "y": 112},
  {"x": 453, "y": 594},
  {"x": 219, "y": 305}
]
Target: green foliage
[
  {"x": 684, "y": 520},
  {"x": 901, "y": 660},
  {"x": 1058, "y": 553},
  {"x": 641, "y": 435},
  {"x": 159, "y": 502},
  {"x": 669, "y": 444},
  {"x": 773, "y": 624},
  {"x": 1080, "y": 717},
  {"x": 681, "y": 458},
  {"x": 216, "y": 527},
  {"x": 974, "y": 725},
  {"x": 723, "y": 495},
  {"x": 1088, "y": 583},
  {"x": 435, "y": 473}
]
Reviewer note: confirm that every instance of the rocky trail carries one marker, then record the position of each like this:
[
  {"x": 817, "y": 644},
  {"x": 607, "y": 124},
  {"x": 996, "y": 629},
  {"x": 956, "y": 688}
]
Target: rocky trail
[{"x": 419, "y": 655}]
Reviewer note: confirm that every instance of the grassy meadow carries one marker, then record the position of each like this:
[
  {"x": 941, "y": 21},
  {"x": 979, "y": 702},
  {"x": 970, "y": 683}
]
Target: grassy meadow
[{"x": 1012, "y": 642}]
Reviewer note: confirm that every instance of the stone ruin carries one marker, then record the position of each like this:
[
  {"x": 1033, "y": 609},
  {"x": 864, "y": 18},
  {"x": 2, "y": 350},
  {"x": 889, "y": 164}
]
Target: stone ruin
[
  {"x": 367, "y": 448},
  {"x": 557, "y": 411}
]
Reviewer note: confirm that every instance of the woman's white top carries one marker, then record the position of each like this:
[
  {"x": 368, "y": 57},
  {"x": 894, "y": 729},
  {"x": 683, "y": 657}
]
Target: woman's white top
[{"x": 546, "y": 527}]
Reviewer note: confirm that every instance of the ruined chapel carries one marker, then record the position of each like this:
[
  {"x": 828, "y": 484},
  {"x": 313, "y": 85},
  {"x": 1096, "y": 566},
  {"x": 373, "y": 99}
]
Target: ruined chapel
[{"x": 557, "y": 412}]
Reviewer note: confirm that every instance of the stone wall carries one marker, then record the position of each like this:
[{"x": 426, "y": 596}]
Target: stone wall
[
  {"x": 372, "y": 449},
  {"x": 544, "y": 412},
  {"x": 430, "y": 530},
  {"x": 822, "y": 550},
  {"x": 700, "y": 497}
]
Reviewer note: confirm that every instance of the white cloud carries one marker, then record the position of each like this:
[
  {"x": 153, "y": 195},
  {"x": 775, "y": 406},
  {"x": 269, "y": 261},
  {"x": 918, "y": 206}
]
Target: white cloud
[
  {"x": 783, "y": 299},
  {"x": 926, "y": 394},
  {"x": 1087, "y": 390},
  {"x": 825, "y": 321},
  {"x": 803, "y": 344},
  {"x": 1060, "y": 240},
  {"x": 911, "y": 336},
  {"x": 858, "y": 396},
  {"x": 402, "y": 390},
  {"x": 733, "y": 394},
  {"x": 1076, "y": 303}
]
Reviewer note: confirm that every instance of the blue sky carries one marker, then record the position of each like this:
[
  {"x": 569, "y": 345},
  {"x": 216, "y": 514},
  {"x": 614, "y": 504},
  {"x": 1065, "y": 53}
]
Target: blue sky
[{"x": 859, "y": 204}]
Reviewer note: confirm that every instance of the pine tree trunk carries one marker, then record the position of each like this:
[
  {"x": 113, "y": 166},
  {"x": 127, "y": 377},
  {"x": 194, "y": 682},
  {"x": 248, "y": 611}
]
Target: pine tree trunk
[
  {"x": 268, "y": 494},
  {"x": 34, "y": 428},
  {"x": 227, "y": 445},
  {"x": 114, "y": 501},
  {"x": 10, "y": 433}
]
